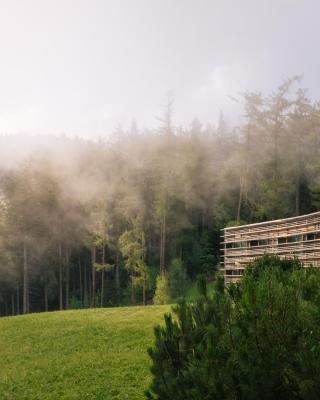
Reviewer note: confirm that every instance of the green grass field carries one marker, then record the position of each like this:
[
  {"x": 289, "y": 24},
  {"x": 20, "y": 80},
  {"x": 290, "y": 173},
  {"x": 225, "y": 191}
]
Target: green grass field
[{"x": 83, "y": 354}]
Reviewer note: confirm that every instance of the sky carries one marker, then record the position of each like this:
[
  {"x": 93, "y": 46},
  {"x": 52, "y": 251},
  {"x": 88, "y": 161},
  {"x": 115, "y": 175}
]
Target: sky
[{"x": 85, "y": 67}]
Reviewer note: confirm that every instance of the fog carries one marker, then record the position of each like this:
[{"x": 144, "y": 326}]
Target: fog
[{"x": 81, "y": 68}]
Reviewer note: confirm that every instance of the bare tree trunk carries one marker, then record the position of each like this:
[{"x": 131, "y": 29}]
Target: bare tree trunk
[
  {"x": 93, "y": 260},
  {"x": 240, "y": 201},
  {"x": 12, "y": 303},
  {"x": 163, "y": 228},
  {"x": 28, "y": 298},
  {"x": 118, "y": 276},
  {"x": 102, "y": 276},
  {"x": 25, "y": 278},
  {"x": 133, "y": 294},
  {"x": 80, "y": 281},
  {"x": 164, "y": 241},
  {"x": 85, "y": 289},
  {"x": 67, "y": 278},
  {"x": 60, "y": 277},
  {"x": 144, "y": 292},
  {"x": 18, "y": 299},
  {"x": 160, "y": 246},
  {"x": 298, "y": 195},
  {"x": 275, "y": 151},
  {"x": 46, "y": 291},
  {"x": 90, "y": 288},
  {"x": 5, "y": 306}
]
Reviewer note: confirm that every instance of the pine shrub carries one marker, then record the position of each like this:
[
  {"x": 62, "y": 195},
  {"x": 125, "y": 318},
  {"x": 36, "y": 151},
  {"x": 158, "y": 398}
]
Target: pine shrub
[{"x": 259, "y": 339}]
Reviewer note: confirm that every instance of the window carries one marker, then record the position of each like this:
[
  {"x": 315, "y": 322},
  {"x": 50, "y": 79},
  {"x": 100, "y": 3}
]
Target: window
[
  {"x": 234, "y": 272},
  {"x": 294, "y": 238},
  {"x": 237, "y": 272},
  {"x": 311, "y": 236}
]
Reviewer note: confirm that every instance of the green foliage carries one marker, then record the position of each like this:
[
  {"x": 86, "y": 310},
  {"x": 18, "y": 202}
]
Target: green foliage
[
  {"x": 103, "y": 267},
  {"x": 193, "y": 293},
  {"x": 132, "y": 247},
  {"x": 202, "y": 259},
  {"x": 236, "y": 223},
  {"x": 162, "y": 293},
  {"x": 178, "y": 281},
  {"x": 275, "y": 199},
  {"x": 255, "y": 340}
]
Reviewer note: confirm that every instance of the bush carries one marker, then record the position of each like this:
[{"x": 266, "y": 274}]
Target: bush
[
  {"x": 162, "y": 294},
  {"x": 259, "y": 339}
]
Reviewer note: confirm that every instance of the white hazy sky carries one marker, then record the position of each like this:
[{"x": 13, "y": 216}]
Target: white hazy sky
[{"x": 81, "y": 67}]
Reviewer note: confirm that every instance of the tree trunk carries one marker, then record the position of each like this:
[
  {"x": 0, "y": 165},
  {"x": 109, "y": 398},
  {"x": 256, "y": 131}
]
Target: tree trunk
[
  {"x": 275, "y": 152},
  {"x": 102, "y": 276},
  {"x": 85, "y": 288},
  {"x": 164, "y": 241},
  {"x": 90, "y": 289},
  {"x": 12, "y": 303},
  {"x": 60, "y": 278},
  {"x": 80, "y": 281},
  {"x": 46, "y": 291},
  {"x": 67, "y": 278},
  {"x": 298, "y": 195},
  {"x": 18, "y": 299},
  {"x": 160, "y": 246},
  {"x": 239, "y": 201},
  {"x": 5, "y": 306},
  {"x": 25, "y": 279},
  {"x": 102, "y": 288},
  {"x": 133, "y": 294},
  {"x": 144, "y": 292},
  {"x": 93, "y": 260},
  {"x": 163, "y": 228},
  {"x": 118, "y": 276}
]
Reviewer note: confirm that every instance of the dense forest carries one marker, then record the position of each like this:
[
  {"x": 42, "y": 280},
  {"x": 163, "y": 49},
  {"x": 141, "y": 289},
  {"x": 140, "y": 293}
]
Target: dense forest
[{"x": 94, "y": 223}]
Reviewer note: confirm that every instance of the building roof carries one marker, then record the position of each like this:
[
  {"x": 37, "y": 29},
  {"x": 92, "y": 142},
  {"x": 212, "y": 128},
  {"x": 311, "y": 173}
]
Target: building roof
[{"x": 275, "y": 221}]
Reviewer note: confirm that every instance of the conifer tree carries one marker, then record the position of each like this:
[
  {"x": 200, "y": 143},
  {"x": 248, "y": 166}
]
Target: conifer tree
[{"x": 255, "y": 340}]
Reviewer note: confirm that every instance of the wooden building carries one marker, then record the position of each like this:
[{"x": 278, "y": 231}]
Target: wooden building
[{"x": 297, "y": 236}]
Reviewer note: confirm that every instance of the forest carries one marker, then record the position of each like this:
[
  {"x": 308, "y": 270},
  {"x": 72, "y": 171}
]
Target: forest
[{"x": 96, "y": 223}]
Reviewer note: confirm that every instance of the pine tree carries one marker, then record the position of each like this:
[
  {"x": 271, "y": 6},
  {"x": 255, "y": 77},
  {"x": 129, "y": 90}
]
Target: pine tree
[{"x": 255, "y": 340}]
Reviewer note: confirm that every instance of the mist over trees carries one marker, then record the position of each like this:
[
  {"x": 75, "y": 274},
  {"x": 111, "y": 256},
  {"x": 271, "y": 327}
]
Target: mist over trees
[{"x": 86, "y": 223}]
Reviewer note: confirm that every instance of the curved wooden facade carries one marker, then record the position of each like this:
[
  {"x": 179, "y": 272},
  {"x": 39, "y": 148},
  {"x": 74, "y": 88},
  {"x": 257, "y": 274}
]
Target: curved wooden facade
[{"x": 296, "y": 236}]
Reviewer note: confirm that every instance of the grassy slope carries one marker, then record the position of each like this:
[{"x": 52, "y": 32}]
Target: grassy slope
[{"x": 85, "y": 354}]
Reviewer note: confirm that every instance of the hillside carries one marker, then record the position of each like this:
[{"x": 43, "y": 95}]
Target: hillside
[{"x": 82, "y": 354}]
